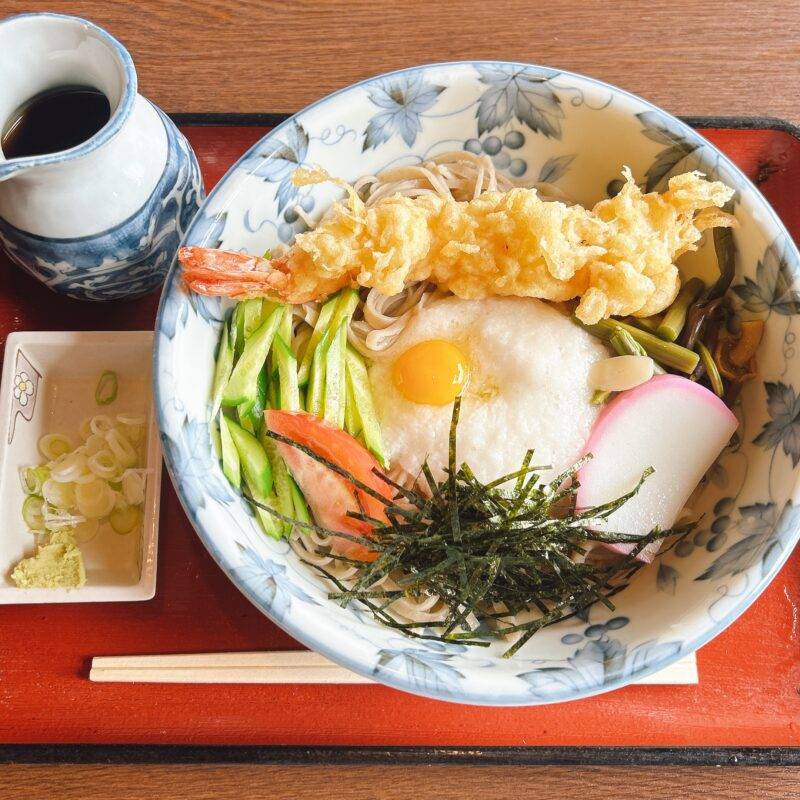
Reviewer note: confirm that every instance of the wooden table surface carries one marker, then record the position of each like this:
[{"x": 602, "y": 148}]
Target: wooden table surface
[{"x": 716, "y": 57}]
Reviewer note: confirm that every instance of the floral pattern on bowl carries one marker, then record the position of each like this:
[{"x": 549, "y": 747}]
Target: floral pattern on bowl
[{"x": 536, "y": 124}]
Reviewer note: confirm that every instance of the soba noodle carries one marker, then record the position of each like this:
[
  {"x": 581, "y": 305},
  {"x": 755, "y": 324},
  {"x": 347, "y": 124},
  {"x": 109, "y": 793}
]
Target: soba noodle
[{"x": 380, "y": 320}]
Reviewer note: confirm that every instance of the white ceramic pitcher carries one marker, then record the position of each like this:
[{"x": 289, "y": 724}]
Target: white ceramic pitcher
[{"x": 101, "y": 220}]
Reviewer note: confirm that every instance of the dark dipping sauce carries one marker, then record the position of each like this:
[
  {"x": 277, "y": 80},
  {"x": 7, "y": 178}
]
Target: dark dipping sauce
[{"x": 55, "y": 120}]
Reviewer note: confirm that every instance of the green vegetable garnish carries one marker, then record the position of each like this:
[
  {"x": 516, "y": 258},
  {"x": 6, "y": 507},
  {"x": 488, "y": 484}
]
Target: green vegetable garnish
[
  {"x": 714, "y": 378},
  {"x": 107, "y": 386},
  {"x": 675, "y": 317},
  {"x": 509, "y": 544},
  {"x": 667, "y": 354}
]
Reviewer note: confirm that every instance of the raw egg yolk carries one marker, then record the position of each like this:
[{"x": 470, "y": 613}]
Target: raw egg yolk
[{"x": 431, "y": 373}]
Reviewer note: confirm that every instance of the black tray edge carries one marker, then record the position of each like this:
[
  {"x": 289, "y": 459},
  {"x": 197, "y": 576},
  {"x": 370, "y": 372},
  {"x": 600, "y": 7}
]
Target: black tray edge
[
  {"x": 410, "y": 756},
  {"x": 424, "y": 755}
]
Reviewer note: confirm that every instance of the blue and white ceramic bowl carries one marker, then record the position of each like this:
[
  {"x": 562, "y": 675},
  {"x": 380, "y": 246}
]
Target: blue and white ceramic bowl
[{"x": 548, "y": 125}]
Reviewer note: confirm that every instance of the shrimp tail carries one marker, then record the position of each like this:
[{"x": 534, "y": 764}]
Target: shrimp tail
[{"x": 223, "y": 273}]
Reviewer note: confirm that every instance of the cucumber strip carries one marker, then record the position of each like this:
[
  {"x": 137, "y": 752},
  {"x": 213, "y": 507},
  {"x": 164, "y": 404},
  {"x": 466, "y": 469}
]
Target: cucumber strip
[
  {"x": 321, "y": 327},
  {"x": 214, "y": 435},
  {"x": 289, "y": 390},
  {"x": 334, "y": 404},
  {"x": 251, "y": 316},
  {"x": 274, "y": 393},
  {"x": 284, "y": 502},
  {"x": 242, "y": 387},
  {"x": 345, "y": 306},
  {"x": 257, "y": 409},
  {"x": 237, "y": 329},
  {"x": 267, "y": 307},
  {"x": 243, "y": 415},
  {"x": 231, "y": 466},
  {"x": 316, "y": 381},
  {"x": 285, "y": 328},
  {"x": 222, "y": 371},
  {"x": 301, "y": 512},
  {"x": 253, "y": 459},
  {"x": 270, "y": 525},
  {"x": 362, "y": 394},
  {"x": 251, "y": 414},
  {"x": 352, "y": 422}
]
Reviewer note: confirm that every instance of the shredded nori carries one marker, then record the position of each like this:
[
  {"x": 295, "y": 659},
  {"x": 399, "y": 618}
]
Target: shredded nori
[{"x": 489, "y": 550}]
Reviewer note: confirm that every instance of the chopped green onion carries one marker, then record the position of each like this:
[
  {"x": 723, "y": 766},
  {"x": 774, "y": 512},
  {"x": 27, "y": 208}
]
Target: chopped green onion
[
  {"x": 668, "y": 354},
  {"x": 33, "y": 512},
  {"x": 675, "y": 317},
  {"x": 124, "y": 520},
  {"x": 53, "y": 445},
  {"x": 107, "y": 386},
  {"x": 599, "y": 397},
  {"x": 32, "y": 479},
  {"x": 711, "y": 369}
]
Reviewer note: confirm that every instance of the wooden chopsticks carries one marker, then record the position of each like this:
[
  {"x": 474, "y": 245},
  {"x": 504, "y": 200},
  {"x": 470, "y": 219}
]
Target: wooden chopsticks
[{"x": 291, "y": 666}]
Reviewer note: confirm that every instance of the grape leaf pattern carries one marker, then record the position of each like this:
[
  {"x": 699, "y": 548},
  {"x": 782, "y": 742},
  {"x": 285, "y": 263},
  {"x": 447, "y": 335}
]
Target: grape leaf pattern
[
  {"x": 757, "y": 523},
  {"x": 518, "y": 92},
  {"x": 774, "y": 286},
  {"x": 667, "y": 578},
  {"x": 404, "y": 98},
  {"x": 275, "y": 161},
  {"x": 426, "y": 669},
  {"x": 271, "y": 580},
  {"x": 783, "y": 428},
  {"x": 555, "y": 168},
  {"x": 676, "y": 147}
]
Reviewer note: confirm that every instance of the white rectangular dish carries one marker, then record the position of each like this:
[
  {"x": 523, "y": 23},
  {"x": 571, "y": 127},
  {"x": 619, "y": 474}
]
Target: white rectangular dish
[{"x": 48, "y": 385}]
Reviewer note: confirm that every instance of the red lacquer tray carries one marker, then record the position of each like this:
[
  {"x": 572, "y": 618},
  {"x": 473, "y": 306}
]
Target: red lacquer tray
[{"x": 749, "y": 690}]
